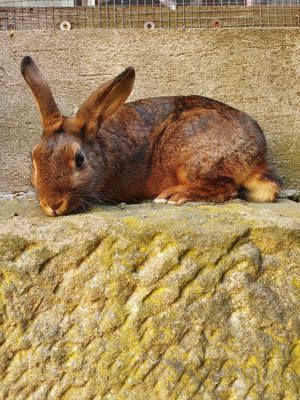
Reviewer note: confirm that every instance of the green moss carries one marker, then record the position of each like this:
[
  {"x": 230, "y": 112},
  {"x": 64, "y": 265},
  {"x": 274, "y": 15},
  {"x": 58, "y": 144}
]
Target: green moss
[
  {"x": 296, "y": 282},
  {"x": 295, "y": 358},
  {"x": 251, "y": 361},
  {"x": 13, "y": 246}
]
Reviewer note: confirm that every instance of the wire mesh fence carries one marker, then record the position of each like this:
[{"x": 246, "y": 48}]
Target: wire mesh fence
[{"x": 147, "y": 14}]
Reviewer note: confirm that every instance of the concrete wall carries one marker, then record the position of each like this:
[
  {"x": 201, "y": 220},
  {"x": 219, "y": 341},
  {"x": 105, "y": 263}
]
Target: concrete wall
[{"x": 254, "y": 70}]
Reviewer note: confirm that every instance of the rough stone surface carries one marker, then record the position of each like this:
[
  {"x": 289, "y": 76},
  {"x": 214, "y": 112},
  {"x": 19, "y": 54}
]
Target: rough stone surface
[
  {"x": 255, "y": 70},
  {"x": 150, "y": 302}
]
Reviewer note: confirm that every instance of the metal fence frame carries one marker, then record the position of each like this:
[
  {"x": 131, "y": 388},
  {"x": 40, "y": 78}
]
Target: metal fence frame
[{"x": 148, "y": 14}]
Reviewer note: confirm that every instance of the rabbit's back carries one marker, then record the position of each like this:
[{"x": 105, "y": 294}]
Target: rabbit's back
[
  {"x": 211, "y": 127},
  {"x": 168, "y": 141}
]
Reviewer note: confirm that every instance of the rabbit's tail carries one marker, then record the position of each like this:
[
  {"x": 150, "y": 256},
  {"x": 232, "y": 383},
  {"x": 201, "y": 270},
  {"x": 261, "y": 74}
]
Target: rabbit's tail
[{"x": 262, "y": 186}]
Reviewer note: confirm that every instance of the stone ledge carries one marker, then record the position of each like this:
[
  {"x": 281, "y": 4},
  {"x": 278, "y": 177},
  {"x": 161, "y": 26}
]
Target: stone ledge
[{"x": 150, "y": 301}]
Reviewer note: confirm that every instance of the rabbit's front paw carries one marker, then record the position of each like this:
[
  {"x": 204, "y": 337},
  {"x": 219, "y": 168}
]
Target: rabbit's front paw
[
  {"x": 216, "y": 192},
  {"x": 175, "y": 195}
]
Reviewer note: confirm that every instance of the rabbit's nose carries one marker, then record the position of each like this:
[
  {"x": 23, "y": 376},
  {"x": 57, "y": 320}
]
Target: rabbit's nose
[
  {"x": 54, "y": 209},
  {"x": 57, "y": 205}
]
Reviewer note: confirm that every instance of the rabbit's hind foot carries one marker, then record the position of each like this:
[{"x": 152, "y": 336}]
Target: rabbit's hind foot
[
  {"x": 262, "y": 187},
  {"x": 216, "y": 192}
]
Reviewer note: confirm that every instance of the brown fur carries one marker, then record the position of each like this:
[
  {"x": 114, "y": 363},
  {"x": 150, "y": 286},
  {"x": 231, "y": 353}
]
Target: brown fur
[{"x": 173, "y": 149}]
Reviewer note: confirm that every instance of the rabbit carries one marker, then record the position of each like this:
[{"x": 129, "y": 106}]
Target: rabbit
[{"x": 169, "y": 149}]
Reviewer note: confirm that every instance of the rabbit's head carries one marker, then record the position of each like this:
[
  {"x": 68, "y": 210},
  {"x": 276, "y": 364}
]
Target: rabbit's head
[{"x": 67, "y": 161}]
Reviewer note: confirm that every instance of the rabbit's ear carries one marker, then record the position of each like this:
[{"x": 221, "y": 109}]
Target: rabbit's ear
[
  {"x": 104, "y": 101},
  {"x": 49, "y": 112}
]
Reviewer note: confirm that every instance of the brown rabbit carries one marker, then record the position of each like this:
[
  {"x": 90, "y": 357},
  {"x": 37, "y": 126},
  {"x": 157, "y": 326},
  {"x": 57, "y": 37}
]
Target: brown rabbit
[{"x": 170, "y": 149}]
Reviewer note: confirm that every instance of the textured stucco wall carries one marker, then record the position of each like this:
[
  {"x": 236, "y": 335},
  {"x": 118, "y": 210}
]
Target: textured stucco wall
[{"x": 254, "y": 70}]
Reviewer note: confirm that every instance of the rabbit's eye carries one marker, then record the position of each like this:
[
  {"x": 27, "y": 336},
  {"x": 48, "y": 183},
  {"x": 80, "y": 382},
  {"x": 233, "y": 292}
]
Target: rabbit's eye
[{"x": 79, "y": 159}]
